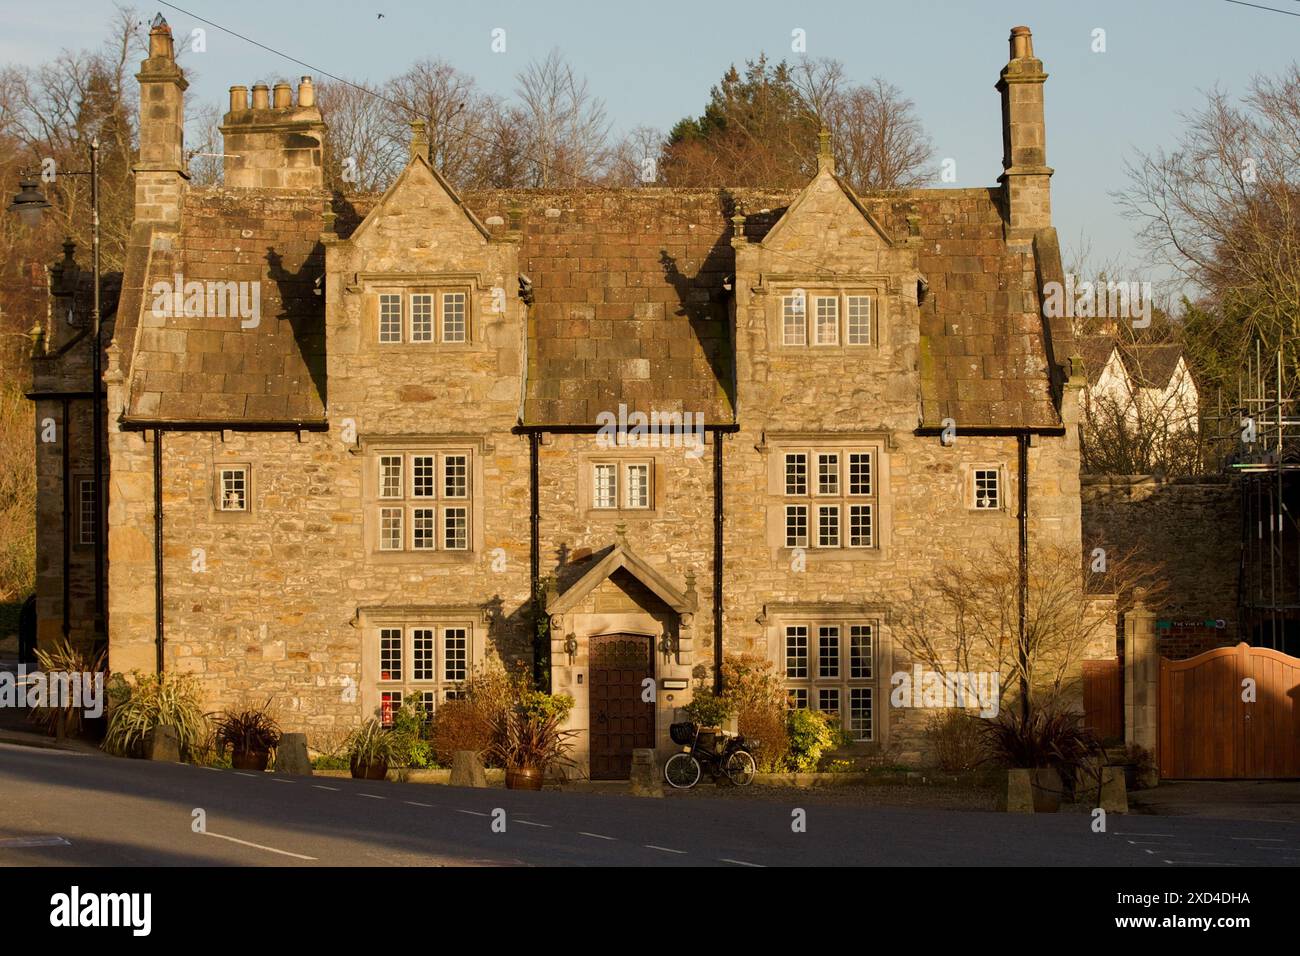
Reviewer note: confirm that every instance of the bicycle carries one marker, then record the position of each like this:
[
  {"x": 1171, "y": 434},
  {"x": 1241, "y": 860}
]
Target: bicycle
[{"x": 725, "y": 755}]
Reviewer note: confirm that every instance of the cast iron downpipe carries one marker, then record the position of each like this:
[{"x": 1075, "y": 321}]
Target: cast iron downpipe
[
  {"x": 535, "y": 555},
  {"x": 717, "y": 562},
  {"x": 67, "y": 527},
  {"x": 158, "y": 547}
]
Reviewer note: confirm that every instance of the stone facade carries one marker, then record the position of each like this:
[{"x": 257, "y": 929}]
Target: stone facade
[{"x": 348, "y": 477}]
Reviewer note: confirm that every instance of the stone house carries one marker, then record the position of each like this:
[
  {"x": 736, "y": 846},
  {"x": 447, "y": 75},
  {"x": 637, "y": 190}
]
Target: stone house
[
  {"x": 1150, "y": 385},
  {"x": 353, "y": 442}
]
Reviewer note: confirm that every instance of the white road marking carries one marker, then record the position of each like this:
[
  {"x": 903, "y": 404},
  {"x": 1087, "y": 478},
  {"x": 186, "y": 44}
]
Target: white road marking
[
  {"x": 665, "y": 849},
  {"x": 20, "y": 842},
  {"x": 317, "y": 786},
  {"x": 279, "y": 780},
  {"x": 1149, "y": 843},
  {"x": 530, "y": 823},
  {"x": 416, "y": 803},
  {"x": 742, "y": 863},
  {"x": 472, "y": 813},
  {"x": 598, "y": 836},
  {"x": 1284, "y": 849},
  {"x": 1259, "y": 839},
  {"x": 1196, "y": 863},
  {"x": 1119, "y": 833},
  {"x": 240, "y": 773},
  {"x": 371, "y": 796},
  {"x": 258, "y": 846}
]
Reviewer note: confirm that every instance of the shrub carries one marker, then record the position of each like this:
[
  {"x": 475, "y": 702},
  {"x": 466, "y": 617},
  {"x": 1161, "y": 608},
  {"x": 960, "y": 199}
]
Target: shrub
[
  {"x": 708, "y": 709},
  {"x": 758, "y": 696},
  {"x": 372, "y": 743},
  {"x": 466, "y": 721},
  {"x": 811, "y": 733},
  {"x": 251, "y": 730},
  {"x": 529, "y": 735},
  {"x": 1049, "y": 738},
  {"x": 145, "y": 701},
  {"x": 411, "y": 728},
  {"x": 957, "y": 739},
  {"x": 65, "y": 659}
]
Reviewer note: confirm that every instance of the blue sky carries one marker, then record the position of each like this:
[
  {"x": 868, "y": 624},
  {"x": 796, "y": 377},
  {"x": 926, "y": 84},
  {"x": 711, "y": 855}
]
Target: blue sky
[{"x": 653, "y": 63}]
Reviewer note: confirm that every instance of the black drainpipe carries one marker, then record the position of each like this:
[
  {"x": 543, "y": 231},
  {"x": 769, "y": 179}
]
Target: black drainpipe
[
  {"x": 1022, "y": 593},
  {"x": 158, "y": 546},
  {"x": 67, "y": 527},
  {"x": 535, "y": 559},
  {"x": 717, "y": 562}
]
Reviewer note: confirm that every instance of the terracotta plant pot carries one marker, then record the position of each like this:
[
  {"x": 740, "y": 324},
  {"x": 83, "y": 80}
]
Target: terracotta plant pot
[
  {"x": 250, "y": 759},
  {"x": 369, "y": 771},
  {"x": 524, "y": 778}
]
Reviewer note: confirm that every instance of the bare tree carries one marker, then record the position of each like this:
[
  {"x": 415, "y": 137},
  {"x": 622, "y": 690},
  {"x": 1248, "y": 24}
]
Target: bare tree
[
  {"x": 567, "y": 129},
  {"x": 361, "y": 152},
  {"x": 1223, "y": 209},
  {"x": 879, "y": 142},
  {"x": 636, "y": 160}
]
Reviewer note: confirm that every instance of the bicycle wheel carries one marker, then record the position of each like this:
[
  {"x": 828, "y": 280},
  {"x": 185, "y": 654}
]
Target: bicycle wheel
[
  {"x": 682, "y": 771},
  {"x": 741, "y": 768}
]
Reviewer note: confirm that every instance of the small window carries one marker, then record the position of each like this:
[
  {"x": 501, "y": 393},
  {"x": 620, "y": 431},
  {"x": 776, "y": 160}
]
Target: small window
[
  {"x": 987, "y": 492},
  {"x": 420, "y": 664},
  {"x": 390, "y": 702},
  {"x": 828, "y": 651},
  {"x": 455, "y": 653},
  {"x": 828, "y": 526},
  {"x": 455, "y": 476},
  {"x": 390, "y": 653},
  {"x": 828, "y": 320},
  {"x": 860, "y": 713},
  {"x": 422, "y": 485},
  {"x": 828, "y": 474},
  {"x": 455, "y": 528},
  {"x": 860, "y": 652},
  {"x": 390, "y": 317},
  {"x": 422, "y": 317},
  {"x": 638, "y": 486},
  {"x": 796, "y": 651},
  {"x": 390, "y": 529},
  {"x": 859, "y": 473},
  {"x": 796, "y": 474},
  {"x": 421, "y": 653},
  {"x": 859, "y": 526},
  {"x": 86, "y": 511},
  {"x": 390, "y": 476},
  {"x": 453, "y": 316},
  {"x": 828, "y": 700},
  {"x": 794, "y": 320},
  {"x": 605, "y": 486},
  {"x": 796, "y": 526},
  {"x": 233, "y": 489},
  {"x": 859, "y": 319},
  {"x": 797, "y": 698},
  {"x": 423, "y": 521}
]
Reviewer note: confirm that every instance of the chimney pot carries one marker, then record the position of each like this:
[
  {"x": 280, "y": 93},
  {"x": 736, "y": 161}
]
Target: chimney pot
[
  {"x": 1022, "y": 43},
  {"x": 160, "y": 40},
  {"x": 261, "y": 96},
  {"x": 306, "y": 93},
  {"x": 238, "y": 99},
  {"x": 283, "y": 96}
]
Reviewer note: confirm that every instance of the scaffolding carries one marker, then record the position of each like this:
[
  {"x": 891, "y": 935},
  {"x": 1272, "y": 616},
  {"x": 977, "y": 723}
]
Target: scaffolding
[{"x": 1268, "y": 468}]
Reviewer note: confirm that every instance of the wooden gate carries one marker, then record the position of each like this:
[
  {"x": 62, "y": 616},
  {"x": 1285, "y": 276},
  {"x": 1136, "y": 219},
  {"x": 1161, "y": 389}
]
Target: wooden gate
[
  {"x": 1230, "y": 712},
  {"x": 620, "y": 720},
  {"x": 1103, "y": 698}
]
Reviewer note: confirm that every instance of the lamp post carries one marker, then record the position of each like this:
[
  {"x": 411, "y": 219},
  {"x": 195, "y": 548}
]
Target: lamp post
[{"x": 30, "y": 205}]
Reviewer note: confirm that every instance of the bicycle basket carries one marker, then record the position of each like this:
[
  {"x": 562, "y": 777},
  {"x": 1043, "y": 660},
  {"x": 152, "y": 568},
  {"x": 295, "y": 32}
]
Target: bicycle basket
[{"x": 683, "y": 734}]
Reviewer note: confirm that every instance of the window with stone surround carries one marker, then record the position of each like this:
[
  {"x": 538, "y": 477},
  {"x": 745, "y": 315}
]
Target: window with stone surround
[
  {"x": 830, "y": 667},
  {"x": 85, "y": 511},
  {"x": 622, "y": 485},
  {"x": 423, "y": 317},
  {"x": 423, "y": 500},
  {"x": 422, "y": 663},
  {"x": 829, "y": 498},
  {"x": 984, "y": 488},
  {"x": 827, "y": 318}
]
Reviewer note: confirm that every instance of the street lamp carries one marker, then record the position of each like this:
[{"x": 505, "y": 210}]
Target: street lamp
[{"x": 29, "y": 204}]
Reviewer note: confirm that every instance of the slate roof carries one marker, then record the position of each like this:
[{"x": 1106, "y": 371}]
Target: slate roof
[
  {"x": 1148, "y": 366},
  {"x": 629, "y": 305},
  {"x": 197, "y": 368}
]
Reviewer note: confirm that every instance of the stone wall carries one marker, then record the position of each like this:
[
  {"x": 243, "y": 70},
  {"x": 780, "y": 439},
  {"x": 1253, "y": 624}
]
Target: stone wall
[{"x": 1192, "y": 529}]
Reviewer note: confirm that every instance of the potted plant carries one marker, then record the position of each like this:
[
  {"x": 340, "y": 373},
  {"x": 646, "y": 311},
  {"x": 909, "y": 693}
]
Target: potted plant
[
  {"x": 371, "y": 749},
  {"x": 251, "y": 734},
  {"x": 1051, "y": 745},
  {"x": 527, "y": 738}
]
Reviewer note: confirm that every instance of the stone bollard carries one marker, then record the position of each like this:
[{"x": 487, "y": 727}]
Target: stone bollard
[
  {"x": 291, "y": 756},
  {"x": 1018, "y": 797},
  {"x": 467, "y": 769},
  {"x": 165, "y": 744},
  {"x": 1114, "y": 795},
  {"x": 646, "y": 781}
]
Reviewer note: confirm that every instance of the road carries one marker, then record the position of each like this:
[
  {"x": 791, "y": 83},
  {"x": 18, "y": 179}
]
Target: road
[{"x": 69, "y": 809}]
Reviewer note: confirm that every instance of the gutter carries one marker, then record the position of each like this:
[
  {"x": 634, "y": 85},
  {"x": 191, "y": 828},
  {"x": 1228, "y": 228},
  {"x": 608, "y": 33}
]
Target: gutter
[
  {"x": 159, "y": 637},
  {"x": 145, "y": 425}
]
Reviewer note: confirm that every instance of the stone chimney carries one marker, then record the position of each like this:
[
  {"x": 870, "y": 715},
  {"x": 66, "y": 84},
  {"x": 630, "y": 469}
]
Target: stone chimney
[
  {"x": 160, "y": 174},
  {"x": 273, "y": 143},
  {"x": 1026, "y": 177}
]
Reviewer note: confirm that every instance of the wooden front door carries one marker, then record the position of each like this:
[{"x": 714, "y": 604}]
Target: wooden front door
[
  {"x": 1230, "y": 712},
  {"x": 620, "y": 720}
]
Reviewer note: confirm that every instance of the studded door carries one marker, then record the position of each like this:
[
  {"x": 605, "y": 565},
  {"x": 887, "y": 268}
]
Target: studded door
[{"x": 620, "y": 720}]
